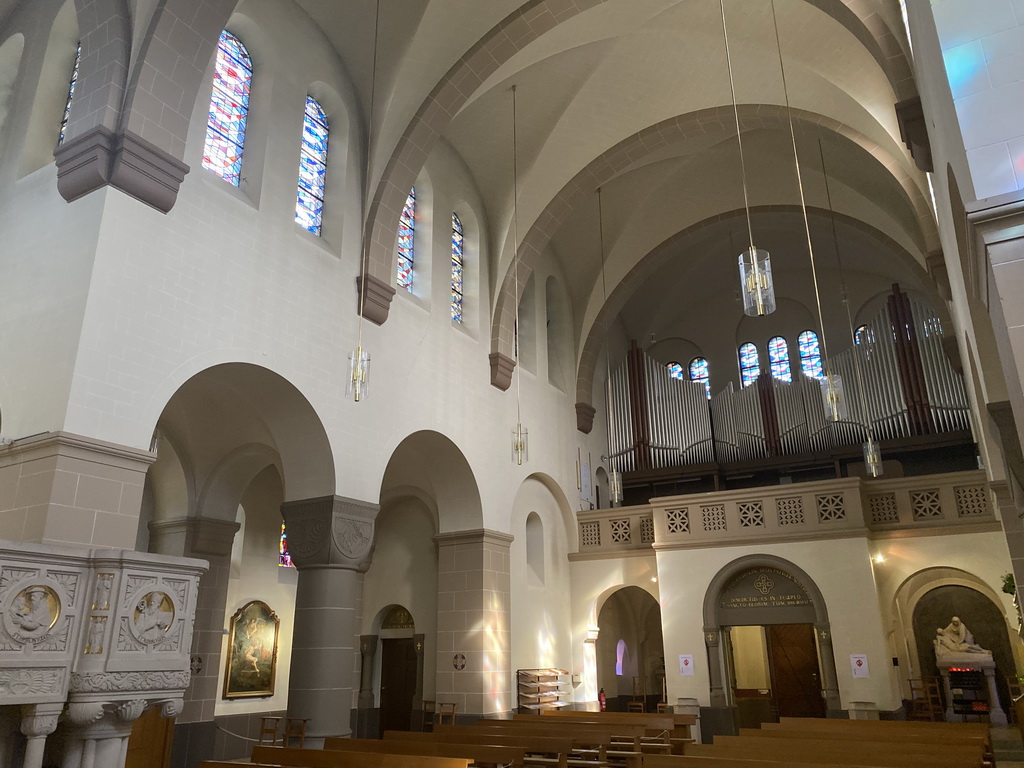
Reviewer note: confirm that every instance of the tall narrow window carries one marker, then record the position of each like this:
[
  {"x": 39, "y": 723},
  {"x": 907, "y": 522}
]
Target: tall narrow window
[
  {"x": 699, "y": 372},
  {"x": 457, "y": 243},
  {"x": 750, "y": 366},
  {"x": 71, "y": 94},
  {"x": 810, "y": 354},
  {"x": 309, "y": 205},
  {"x": 778, "y": 356},
  {"x": 862, "y": 335},
  {"x": 406, "y": 237},
  {"x": 675, "y": 370},
  {"x": 229, "y": 108},
  {"x": 284, "y": 556}
]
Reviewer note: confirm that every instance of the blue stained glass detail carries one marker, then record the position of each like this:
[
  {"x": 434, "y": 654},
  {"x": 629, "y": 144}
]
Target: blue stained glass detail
[
  {"x": 309, "y": 205},
  {"x": 229, "y": 108},
  {"x": 699, "y": 371},
  {"x": 675, "y": 370},
  {"x": 810, "y": 355},
  {"x": 778, "y": 356},
  {"x": 750, "y": 365},
  {"x": 406, "y": 241},
  {"x": 457, "y": 252},
  {"x": 284, "y": 556},
  {"x": 71, "y": 94}
]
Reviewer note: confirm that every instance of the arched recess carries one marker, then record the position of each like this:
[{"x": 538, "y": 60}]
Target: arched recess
[
  {"x": 630, "y": 648},
  {"x": 711, "y": 122},
  {"x": 394, "y": 651},
  {"x": 515, "y": 33},
  {"x": 595, "y": 336},
  {"x": 745, "y": 575},
  {"x": 914, "y": 589}
]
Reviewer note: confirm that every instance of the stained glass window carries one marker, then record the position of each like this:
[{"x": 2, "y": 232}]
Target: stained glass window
[
  {"x": 406, "y": 237},
  {"x": 284, "y": 557},
  {"x": 862, "y": 335},
  {"x": 810, "y": 354},
  {"x": 71, "y": 93},
  {"x": 229, "y": 108},
  {"x": 699, "y": 372},
  {"x": 675, "y": 370},
  {"x": 457, "y": 243},
  {"x": 309, "y": 206},
  {"x": 778, "y": 356},
  {"x": 750, "y": 366}
]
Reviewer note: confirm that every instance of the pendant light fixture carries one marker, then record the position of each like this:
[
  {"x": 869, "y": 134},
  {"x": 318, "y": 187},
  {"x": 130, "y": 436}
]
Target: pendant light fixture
[
  {"x": 756, "y": 284},
  {"x": 520, "y": 435},
  {"x": 872, "y": 451},
  {"x": 831, "y": 383},
  {"x": 359, "y": 358},
  {"x": 614, "y": 476}
]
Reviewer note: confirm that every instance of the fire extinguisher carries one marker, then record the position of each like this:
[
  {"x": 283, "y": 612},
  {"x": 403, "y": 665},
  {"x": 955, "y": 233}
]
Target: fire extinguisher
[{"x": 602, "y": 700}]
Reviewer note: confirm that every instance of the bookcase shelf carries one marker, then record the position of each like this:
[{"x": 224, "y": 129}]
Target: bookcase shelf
[{"x": 540, "y": 689}]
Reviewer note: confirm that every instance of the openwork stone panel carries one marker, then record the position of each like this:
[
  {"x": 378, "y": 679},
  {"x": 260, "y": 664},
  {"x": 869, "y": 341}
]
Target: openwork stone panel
[
  {"x": 791, "y": 511},
  {"x": 971, "y": 501},
  {"x": 620, "y": 531},
  {"x": 646, "y": 530},
  {"x": 751, "y": 514},
  {"x": 714, "y": 517},
  {"x": 925, "y": 504},
  {"x": 883, "y": 509},
  {"x": 678, "y": 520},
  {"x": 590, "y": 534},
  {"x": 831, "y": 507}
]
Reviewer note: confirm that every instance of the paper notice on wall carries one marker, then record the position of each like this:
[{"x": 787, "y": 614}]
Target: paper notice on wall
[
  {"x": 859, "y": 664},
  {"x": 686, "y": 665}
]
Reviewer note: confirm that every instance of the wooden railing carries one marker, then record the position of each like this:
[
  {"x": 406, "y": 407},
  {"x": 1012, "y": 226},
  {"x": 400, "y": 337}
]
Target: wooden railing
[{"x": 847, "y": 506}]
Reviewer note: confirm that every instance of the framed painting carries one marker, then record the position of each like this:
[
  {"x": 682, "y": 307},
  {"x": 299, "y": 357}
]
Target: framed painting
[{"x": 252, "y": 652}]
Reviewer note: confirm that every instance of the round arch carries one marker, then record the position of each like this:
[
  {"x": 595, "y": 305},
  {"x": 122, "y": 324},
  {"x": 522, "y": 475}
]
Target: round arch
[{"x": 714, "y": 622}]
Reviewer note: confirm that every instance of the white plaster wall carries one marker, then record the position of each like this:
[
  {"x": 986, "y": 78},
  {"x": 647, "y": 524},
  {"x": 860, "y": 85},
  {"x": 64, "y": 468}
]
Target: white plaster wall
[
  {"x": 540, "y": 625},
  {"x": 404, "y": 572},
  {"x": 982, "y": 47}
]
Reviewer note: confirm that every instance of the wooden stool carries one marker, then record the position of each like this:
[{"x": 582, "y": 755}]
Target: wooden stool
[
  {"x": 295, "y": 726},
  {"x": 445, "y": 713},
  {"x": 268, "y": 728}
]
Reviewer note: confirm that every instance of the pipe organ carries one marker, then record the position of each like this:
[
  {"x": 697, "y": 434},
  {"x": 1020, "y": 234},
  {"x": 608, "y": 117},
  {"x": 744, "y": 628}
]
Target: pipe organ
[{"x": 896, "y": 383}]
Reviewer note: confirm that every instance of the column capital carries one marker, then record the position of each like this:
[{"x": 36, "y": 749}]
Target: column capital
[
  {"x": 331, "y": 531},
  {"x": 190, "y": 536},
  {"x": 475, "y": 536}
]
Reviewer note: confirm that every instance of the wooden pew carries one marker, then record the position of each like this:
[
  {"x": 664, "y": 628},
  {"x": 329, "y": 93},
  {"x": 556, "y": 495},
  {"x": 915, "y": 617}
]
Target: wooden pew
[
  {"x": 625, "y": 736},
  {"x": 847, "y": 752},
  {"x": 681, "y": 721},
  {"x": 480, "y": 754},
  {"x": 539, "y": 750},
  {"x": 595, "y": 743},
  {"x": 663, "y": 733},
  {"x": 869, "y": 729},
  {"x": 232, "y": 764},
  {"x": 322, "y": 758},
  {"x": 841, "y": 733},
  {"x": 696, "y": 761}
]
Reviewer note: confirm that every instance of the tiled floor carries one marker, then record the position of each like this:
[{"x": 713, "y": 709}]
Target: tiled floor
[{"x": 1006, "y": 742}]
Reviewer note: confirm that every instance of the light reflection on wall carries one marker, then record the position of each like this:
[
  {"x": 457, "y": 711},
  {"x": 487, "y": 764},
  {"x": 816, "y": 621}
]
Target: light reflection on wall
[
  {"x": 494, "y": 645},
  {"x": 590, "y": 665}
]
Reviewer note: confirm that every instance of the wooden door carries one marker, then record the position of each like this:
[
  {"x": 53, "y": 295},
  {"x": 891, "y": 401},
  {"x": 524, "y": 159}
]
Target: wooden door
[
  {"x": 397, "y": 683},
  {"x": 796, "y": 679},
  {"x": 149, "y": 746}
]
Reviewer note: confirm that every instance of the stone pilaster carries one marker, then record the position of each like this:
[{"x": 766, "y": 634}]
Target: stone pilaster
[
  {"x": 59, "y": 488},
  {"x": 473, "y": 587},
  {"x": 330, "y": 540},
  {"x": 37, "y": 722},
  {"x": 365, "y": 722},
  {"x": 210, "y": 539},
  {"x": 829, "y": 677}
]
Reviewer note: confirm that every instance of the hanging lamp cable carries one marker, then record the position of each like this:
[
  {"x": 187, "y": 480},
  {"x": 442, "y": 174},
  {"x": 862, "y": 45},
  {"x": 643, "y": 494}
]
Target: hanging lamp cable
[
  {"x": 615, "y": 490},
  {"x": 739, "y": 133}
]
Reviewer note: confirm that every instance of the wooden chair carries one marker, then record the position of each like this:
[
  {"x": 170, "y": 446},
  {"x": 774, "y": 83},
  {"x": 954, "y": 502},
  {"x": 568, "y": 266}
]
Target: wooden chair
[
  {"x": 664, "y": 708},
  {"x": 445, "y": 713},
  {"x": 635, "y": 706},
  {"x": 429, "y": 710},
  {"x": 268, "y": 730},
  {"x": 926, "y": 700},
  {"x": 295, "y": 726}
]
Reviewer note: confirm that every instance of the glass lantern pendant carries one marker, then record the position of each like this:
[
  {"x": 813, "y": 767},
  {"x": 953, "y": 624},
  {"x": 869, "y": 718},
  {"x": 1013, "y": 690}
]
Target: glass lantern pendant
[
  {"x": 872, "y": 458},
  {"x": 359, "y": 374},
  {"x": 833, "y": 397},
  {"x": 756, "y": 282},
  {"x": 520, "y": 444}
]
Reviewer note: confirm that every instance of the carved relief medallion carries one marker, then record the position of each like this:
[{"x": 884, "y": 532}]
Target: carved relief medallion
[
  {"x": 153, "y": 616},
  {"x": 32, "y": 613},
  {"x": 352, "y": 537}
]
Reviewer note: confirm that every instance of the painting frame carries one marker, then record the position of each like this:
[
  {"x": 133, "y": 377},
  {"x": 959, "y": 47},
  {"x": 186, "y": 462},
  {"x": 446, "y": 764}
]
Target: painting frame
[{"x": 250, "y": 668}]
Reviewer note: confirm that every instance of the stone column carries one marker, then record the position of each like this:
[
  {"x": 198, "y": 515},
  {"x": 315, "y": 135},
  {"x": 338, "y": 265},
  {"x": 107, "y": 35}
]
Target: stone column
[
  {"x": 69, "y": 489},
  {"x": 330, "y": 540},
  {"x": 473, "y": 586},
  {"x": 37, "y": 722},
  {"x": 829, "y": 676},
  {"x": 210, "y": 539}
]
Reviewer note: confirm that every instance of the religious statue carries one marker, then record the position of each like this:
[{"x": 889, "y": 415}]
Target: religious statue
[{"x": 956, "y": 638}]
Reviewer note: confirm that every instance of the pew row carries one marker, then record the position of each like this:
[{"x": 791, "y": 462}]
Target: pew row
[
  {"x": 550, "y": 752},
  {"x": 322, "y": 758},
  {"x": 480, "y": 754}
]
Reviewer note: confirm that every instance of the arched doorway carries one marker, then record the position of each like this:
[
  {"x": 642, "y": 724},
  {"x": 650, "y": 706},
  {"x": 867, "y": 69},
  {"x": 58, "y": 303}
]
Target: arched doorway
[
  {"x": 769, "y": 642},
  {"x": 401, "y": 669},
  {"x": 630, "y": 649}
]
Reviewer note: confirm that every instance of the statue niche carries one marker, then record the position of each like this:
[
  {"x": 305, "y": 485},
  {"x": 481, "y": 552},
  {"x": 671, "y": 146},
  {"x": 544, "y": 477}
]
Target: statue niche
[{"x": 956, "y": 640}]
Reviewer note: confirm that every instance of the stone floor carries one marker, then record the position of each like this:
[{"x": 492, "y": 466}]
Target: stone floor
[{"x": 1006, "y": 743}]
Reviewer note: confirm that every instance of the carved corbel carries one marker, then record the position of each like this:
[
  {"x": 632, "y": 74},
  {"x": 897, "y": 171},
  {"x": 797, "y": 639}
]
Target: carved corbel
[
  {"x": 85, "y": 712},
  {"x": 130, "y": 710}
]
